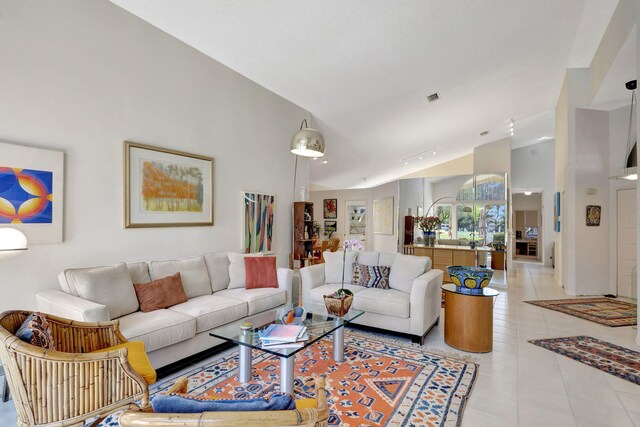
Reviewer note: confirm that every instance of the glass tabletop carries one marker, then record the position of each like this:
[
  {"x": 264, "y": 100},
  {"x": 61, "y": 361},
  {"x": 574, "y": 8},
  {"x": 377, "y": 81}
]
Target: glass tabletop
[{"x": 318, "y": 322}]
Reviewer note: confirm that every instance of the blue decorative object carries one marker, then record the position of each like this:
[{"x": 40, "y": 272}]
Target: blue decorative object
[{"x": 468, "y": 279}]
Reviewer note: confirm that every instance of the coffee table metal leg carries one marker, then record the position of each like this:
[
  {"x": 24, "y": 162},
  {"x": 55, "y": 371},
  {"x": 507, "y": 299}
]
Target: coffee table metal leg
[
  {"x": 338, "y": 344},
  {"x": 244, "y": 370},
  {"x": 286, "y": 374}
]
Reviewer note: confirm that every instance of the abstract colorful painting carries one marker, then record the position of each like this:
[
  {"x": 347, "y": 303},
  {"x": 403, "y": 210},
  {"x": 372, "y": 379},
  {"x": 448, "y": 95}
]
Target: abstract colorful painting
[
  {"x": 32, "y": 192},
  {"x": 331, "y": 208},
  {"x": 26, "y": 196},
  {"x": 167, "y": 188},
  {"x": 259, "y": 214}
]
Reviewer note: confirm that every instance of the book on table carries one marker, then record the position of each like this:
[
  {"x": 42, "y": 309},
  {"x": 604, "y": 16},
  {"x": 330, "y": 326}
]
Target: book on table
[
  {"x": 282, "y": 333},
  {"x": 267, "y": 344}
]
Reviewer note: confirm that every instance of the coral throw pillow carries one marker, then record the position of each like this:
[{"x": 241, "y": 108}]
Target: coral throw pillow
[
  {"x": 36, "y": 330},
  {"x": 261, "y": 272},
  {"x": 161, "y": 293}
]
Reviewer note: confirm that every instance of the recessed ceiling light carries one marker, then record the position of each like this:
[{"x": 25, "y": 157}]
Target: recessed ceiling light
[
  {"x": 315, "y": 158},
  {"x": 511, "y": 133},
  {"x": 434, "y": 152},
  {"x": 325, "y": 162},
  {"x": 527, "y": 193},
  {"x": 420, "y": 157},
  {"x": 406, "y": 162}
]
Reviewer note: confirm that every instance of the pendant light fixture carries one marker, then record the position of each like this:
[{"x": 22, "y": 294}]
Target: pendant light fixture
[{"x": 630, "y": 170}]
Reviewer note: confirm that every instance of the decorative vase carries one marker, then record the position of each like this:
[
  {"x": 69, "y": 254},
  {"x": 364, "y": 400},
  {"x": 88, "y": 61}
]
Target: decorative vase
[
  {"x": 430, "y": 238},
  {"x": 338, "y": 306},
  {"x": 468, "y": 279}
]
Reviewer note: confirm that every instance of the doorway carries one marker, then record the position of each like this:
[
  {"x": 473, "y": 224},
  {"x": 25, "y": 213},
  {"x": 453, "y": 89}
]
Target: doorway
[
  {"x": 626, "y": 241},
  {"x": 527, "y": 225}
]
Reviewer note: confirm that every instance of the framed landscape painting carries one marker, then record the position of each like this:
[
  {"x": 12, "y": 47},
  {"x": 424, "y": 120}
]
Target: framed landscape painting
[
  {"x": 166, "y": 188},
  {"x": 331, "y": 208},
  {"x": 31, "y": 192},
  {"x": 259, "y": 214}
]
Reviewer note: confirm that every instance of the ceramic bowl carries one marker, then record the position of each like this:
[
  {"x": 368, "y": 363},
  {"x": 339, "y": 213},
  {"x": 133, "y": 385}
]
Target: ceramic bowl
[
  {"x": 470, "y": 279},
  {"x": 295, "y": 316}
]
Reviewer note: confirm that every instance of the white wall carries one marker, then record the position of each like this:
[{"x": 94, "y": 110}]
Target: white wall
[
  {"x": 81, "y": 77},
  {"x": 383, "y": 242},
  {"x": 533, "y": 167},
  {"x": 592, "y": 172}
]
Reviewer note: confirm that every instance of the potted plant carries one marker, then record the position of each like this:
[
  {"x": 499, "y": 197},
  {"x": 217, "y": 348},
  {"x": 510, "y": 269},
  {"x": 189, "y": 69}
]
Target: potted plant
[
  {"x": 339, "y": 302},
  {"x": 428, "y": 225}
]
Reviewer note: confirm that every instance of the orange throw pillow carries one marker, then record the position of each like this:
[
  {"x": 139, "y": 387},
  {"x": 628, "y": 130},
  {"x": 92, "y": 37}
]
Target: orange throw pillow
[
  {"x": 161, "y": 293},
  {"x": 261, "y": 272}
]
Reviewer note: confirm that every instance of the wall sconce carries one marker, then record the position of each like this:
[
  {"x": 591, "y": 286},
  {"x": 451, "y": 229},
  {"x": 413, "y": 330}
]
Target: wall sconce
[{"x": 12, "y": 243}]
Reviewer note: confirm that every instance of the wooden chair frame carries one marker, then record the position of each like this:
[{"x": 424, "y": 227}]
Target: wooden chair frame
[
  {"x": 66, "y": 386},
  {"x": 314, "y": 417}
]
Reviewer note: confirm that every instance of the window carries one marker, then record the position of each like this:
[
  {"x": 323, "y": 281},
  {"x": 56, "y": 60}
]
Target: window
[
  {"x": 444, "y": 213},
  {"x": 486, "y": 196}
]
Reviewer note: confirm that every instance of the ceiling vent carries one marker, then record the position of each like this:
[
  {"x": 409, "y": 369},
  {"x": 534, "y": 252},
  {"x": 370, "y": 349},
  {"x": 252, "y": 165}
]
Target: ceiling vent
[
  {"x": 433, "y": 97},
  {"x": 485, "y": 133}
]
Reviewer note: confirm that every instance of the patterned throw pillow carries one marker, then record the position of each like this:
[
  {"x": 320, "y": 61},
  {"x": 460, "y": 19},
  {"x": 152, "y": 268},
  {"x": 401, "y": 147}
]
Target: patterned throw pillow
[
  {"x": 35, "y": 330},
  {"x": 371, "y": 276}
]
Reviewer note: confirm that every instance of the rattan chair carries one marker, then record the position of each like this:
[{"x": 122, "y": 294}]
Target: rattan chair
[
  {"x": 66, "y": 386},
  {"x": 312, "y": 417}
]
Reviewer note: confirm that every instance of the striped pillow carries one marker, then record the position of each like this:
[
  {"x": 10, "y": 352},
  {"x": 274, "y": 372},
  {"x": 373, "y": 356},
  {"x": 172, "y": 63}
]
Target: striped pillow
[{"x": 371, "y": 276}]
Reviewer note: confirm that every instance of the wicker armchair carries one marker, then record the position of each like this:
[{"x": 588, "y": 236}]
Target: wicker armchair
[
  {"x": 310, "y": 417},
  {"x": 66, "y": 386}
]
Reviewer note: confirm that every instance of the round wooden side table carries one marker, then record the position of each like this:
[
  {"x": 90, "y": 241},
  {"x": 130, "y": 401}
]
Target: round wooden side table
[{"x": 468, "y": 319}]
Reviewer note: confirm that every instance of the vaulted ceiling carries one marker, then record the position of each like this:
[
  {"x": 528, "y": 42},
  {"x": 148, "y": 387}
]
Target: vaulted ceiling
[{"x": 364, "y": 68}]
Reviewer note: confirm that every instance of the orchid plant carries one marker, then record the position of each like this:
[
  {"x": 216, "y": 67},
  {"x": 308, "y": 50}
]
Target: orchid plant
[{"x": 348, "y": 245}]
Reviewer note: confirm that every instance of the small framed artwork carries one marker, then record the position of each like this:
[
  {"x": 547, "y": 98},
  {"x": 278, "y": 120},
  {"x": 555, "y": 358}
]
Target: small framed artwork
[
  {"x": 259, "y": 220},
  {"x": 31, "y": 192},
  {"x": 593, "y": 215},
  {"x": 166, "y": 188},
  {"x": 330, "y": 227},
  {"x": 331, "y": 208}
]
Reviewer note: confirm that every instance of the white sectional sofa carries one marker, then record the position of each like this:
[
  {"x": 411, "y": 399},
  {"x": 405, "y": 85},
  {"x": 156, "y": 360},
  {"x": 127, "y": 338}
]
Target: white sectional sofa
[
  {"x": 213, "y": 283},
  {"x": 411, "y": 306}
]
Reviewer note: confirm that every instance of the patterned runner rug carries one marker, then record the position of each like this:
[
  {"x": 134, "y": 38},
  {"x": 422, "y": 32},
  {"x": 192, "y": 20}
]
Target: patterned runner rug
[
  {"x": 381, "y": 382},
  {"x": 607, "y": 357},
  {"x": 606, "y": 311}
]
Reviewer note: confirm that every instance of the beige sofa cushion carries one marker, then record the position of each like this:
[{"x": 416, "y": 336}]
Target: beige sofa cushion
[
  {"x": 110, "y": 286},
  {"x": 218, "y": 267},
  {"x": 193, "y": 273},
  {"x": 405, "y": 269},
  {"x": 368, "y": 258},
  {"x": 139, "y": 272},
  {"x": 258, "y": 300},
  {"x": 386, "y": 258},
  {"x": 211, "y": 311},
  {"x": 237, "y": 275},
  {"x": 396, "y": 303},
  {"x": 333, "y": 266},
  {"x": 158, "y": 328}
]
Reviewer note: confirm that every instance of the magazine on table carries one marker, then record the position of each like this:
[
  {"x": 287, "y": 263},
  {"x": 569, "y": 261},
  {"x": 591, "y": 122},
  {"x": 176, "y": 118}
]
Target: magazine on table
[
  {"x": 282, "y": 333},
  {"x": 279, "y": 344}
]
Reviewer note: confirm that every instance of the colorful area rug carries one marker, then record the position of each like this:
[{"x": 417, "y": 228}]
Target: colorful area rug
[
  {"x": 607, "y": 357},
  {"x": 380, "y": 383},
  {"x": 606, "y": 311}
]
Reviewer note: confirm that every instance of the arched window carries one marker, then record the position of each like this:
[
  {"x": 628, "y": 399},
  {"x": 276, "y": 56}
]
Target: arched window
[
  {"x": 486, "y": 195},
  {"x": 482, "y": 188}
]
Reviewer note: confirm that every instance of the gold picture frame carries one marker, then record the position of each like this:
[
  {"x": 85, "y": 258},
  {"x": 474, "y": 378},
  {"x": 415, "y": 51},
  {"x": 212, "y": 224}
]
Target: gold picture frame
[{"x": 166, "y": 188}]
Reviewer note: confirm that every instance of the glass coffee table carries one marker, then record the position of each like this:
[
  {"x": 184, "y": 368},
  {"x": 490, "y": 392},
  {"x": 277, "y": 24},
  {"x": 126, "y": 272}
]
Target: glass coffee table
[{"x": 319, "y": 325}]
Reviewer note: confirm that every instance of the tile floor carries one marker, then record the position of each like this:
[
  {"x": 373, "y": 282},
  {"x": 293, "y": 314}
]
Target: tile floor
[{"x": 520, "y": 384}]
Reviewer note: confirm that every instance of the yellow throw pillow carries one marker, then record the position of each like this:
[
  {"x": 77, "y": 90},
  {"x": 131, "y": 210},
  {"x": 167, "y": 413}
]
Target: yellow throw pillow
[
  {"x": 137, "y": 358},
  {"x": 306, "y": 403}
]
